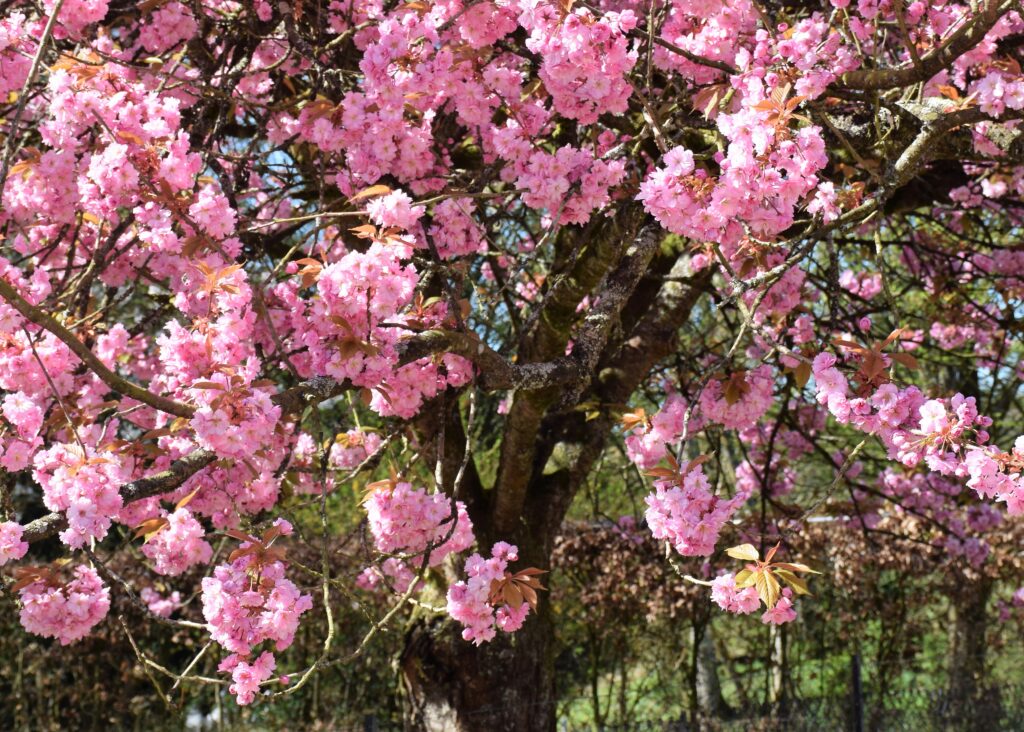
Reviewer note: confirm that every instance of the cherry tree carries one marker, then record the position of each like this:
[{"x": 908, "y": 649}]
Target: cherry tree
[{"x": 451, "y": 252}]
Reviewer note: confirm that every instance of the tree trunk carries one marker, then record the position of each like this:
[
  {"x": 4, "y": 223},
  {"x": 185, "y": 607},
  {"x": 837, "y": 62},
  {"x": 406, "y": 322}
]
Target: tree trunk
[
  {"x": 506, "y": 685},
  {"x": 967, "y": 654},
  {"x": 709, "y": 688},
  {"x": 779, "y": 669}
]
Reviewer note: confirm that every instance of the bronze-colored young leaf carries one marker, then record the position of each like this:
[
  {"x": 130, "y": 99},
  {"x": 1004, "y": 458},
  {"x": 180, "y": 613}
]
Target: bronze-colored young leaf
[
  {"x": 188, "y": 499},
  {"x": 906, "y": 359},
  {"x": 240, "y": 536},
  {"x": 150, "y": 527},
  {"x": 511, "y": 595},
  {"x": 802, "y": 373},
  {"x": 371, "y": 192}
]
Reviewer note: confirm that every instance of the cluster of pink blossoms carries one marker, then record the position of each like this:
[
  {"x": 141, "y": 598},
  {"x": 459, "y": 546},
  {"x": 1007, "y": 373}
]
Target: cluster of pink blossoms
[
  {"x": 14, "y": 43},
  {"x": 570, "y": 180},
  {"x": 683, "y": 509},
  {"x": 884, "y": 412},
  {"x": 946, "y": 435},
  {"x": 29, "y": 396},
  {"x": 998, "y": 91},
  {"x": 677, "y": 193},
  {"x": 740, "y": 401},
  {"x": 65, "y": 611},
  {"x": 249, "y": 601},
  {"x": 744, "y": 601},
  {"x": 233, "y": 418},
  {"x": 647, "y": 445},
  {"x": 352, "y": 330},
  {"x": 950, "y": 336},
  {"x": 166, "y": 27},
  {"x": 454, "y": 230},
  {"x": 584, "y": 59},
  {"x": 766, "y": 171},
  {"x": 998, "y": 475},
  {"x": 76, "y": 15},
  {"x": 11, "y": 545},
  {"x": 813, "y": 47},
  {"x": 352, "y": 448},
  {"x": 160, "y": 605},
  {"x": 344, "y": 327},
  {"x": 711, "y": 29},
  {"x": 727, "y": 596},
  {"x": 782, "y": 611},
  {"x": 395, "y": 210},
  {"x": 863, "y": 284},
  {"x": 409, "y": 520},
  {"x": 686, "y": 512},
  {"x": 247, "y": 677},
  {"x": 178, "y": 545},
  {"x": 469, "y": 602},
  {"x": 85, "y": 487}
]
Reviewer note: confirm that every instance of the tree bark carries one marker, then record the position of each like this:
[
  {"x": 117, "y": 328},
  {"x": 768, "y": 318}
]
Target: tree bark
[
  {"x": 709, "y": 689},
  {"x": 506, "y": 685},
  {"x": 967, "y": 648}
]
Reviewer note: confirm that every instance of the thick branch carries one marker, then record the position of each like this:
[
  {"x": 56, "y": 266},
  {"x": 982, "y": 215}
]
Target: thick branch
[
  {"x": 170, "y": 479},
  {"x": 519, "y": 443},
  {"x": 624, "y": 366},
  {"x": 597, "y": 326},
  {"x": 925, "y": 145},
  {"x": 969, "y": 35},
  {"x": 495, "y": 372},
  {"x": 108, "y": 377}
]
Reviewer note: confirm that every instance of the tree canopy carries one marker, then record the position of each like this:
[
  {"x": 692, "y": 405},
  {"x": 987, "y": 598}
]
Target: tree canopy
[{"x": 319, "y": 315}]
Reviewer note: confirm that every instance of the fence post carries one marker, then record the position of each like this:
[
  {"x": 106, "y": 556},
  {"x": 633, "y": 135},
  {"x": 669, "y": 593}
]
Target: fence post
[{"x": 856, "y": 694}]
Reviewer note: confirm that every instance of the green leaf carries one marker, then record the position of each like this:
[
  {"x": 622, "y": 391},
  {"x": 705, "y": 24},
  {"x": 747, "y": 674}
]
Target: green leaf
[
  {"x": 746, "y": 552},
  {"x": 768, "y": 588},
  {"x": 744, "y": 578},
  {"x": 798, "y": 584},
  {"x": 795, "y": 567}
]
